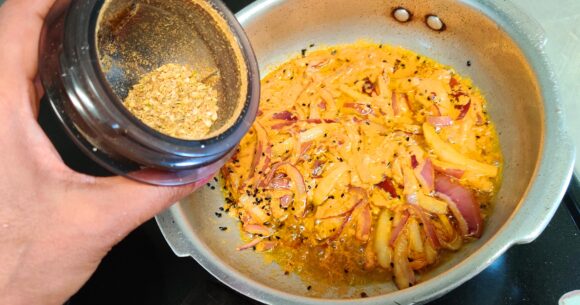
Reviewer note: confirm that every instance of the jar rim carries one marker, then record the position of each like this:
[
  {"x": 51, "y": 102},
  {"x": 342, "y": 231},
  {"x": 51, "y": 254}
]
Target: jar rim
[{"x": 130, "y": 125}]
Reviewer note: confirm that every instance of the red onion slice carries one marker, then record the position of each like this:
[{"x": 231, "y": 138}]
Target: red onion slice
[
  {"x": 298, "y": 181},
  {"x": 399, "y": 227},
  {"x": 362, "y": 109},
  {"x": 428, "y": 174},
  {"x": 285, "y": 201},
  {"x": 280, "y": 183},
  {"x": 363, "y": 224},
  {"x": 257, "y": 229},
  {"x": 427, "y": 226},
  {"x": 453, "y": 172},
  {"x": 320, "y": 121},
  {"x": 440, "y": 121},
  {"x": 465, "y": 201},
  {"x": 284, "y": 115},
  {"x": 249, "y": 245},
  {"x": 282, "y": 125}
]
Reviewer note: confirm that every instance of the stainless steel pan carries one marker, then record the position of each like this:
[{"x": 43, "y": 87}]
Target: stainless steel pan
[{"x": 505, "y": 51}]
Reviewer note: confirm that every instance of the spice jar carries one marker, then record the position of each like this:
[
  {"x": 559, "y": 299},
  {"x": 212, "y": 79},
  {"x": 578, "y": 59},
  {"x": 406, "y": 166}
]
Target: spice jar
[{"x": 93, "y": 52}]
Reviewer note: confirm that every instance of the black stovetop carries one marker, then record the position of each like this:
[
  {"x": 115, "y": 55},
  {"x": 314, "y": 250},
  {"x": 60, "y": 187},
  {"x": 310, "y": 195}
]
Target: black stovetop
[{"x": 143, "y": 270}]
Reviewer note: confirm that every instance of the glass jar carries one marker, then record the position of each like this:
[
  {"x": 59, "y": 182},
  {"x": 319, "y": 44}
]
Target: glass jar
[{"x": 92, "y": 52}]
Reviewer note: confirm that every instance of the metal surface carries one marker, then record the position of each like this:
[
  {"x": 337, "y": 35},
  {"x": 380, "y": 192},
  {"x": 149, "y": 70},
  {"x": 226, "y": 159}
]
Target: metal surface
[
  {"x": 505, "y": 49},
  {"x": 561, "y": 22}
]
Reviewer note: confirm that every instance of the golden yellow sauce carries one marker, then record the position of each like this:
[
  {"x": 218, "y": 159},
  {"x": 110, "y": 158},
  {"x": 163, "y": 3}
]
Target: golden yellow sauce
[{"x": 366, "y": 163}]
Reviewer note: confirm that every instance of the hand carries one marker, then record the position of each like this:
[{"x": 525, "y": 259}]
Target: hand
[{"x": 55, "y": 224}]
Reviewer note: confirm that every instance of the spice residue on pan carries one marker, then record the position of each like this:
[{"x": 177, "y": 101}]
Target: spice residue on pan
[
  {"x": 174, "y": 101},
  {"x": 367, "y": 163}
]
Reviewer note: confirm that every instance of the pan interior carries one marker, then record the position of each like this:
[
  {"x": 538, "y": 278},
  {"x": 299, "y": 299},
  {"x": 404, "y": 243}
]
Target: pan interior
[{"x": 497, "y": 66}]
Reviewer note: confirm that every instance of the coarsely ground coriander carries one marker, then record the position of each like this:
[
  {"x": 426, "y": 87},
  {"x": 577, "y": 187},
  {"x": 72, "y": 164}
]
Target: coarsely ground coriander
[{"x": 173, "y": 101}]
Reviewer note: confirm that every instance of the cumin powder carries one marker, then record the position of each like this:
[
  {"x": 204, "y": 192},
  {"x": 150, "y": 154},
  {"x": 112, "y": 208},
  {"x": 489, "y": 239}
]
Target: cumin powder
[{"x": 174, "y": 101}]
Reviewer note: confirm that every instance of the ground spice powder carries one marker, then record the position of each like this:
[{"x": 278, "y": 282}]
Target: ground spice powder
[{"x": 174, "y": 101}]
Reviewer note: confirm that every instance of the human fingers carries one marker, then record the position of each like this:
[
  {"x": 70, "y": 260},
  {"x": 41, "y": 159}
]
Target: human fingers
[
  {"x": 20, "y": 27},
  {"x": 126, "y": 204}
]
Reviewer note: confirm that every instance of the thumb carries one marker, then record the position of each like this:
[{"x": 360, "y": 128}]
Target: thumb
[{"x": 126, "y": 204}]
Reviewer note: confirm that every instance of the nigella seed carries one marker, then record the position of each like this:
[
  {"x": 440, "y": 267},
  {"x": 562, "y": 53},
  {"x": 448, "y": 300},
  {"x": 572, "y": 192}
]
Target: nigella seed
[{"x": 223, "y": 228}]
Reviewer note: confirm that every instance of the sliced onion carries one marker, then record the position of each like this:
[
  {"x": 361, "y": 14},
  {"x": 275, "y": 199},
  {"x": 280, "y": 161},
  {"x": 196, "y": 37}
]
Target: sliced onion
[
  {"x": 453, "y": 172},
  {"x": 265, "y": 245},
  {"x": 427, "y": 175},
  {"x": 388, "y": 186},
  {"x": 427, "y": 226},
  {"x": 256, "y": 158},
  {"x": 363, "y": 222},
  {"x": 463, "y": 110},
  {"x": 327, "y": 183},
  {"x": 341, "y": 228},
  {"x": 304, "y": 148},
  {"x": 463, "y": 226},
  {"x": 284, "y": 115},
  {"x": 361, "y": 109},
  {"x": 320, "y": 121},
  {"x": 262, "y": 152},
  {"x": 250, "y": 244},
  {"x": 282, "y": 125},
  {"x": 464, "y": 200},
  {"x": 400, "y": 104},
  {"x": 317, "y": 168},
  {"x": 262, "y": 156},
  {"x": 280, "y": 183},
  {"x": 440, "y": 121},
  {"x": 404, "y": 275},
  {"x": 257, "y": 229},
  {"x": 299, "y": 186},
  {"x": 399, "y": 227},
  {"x": 311, "y": 134},
  {"x": 285, "y": 201}
]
